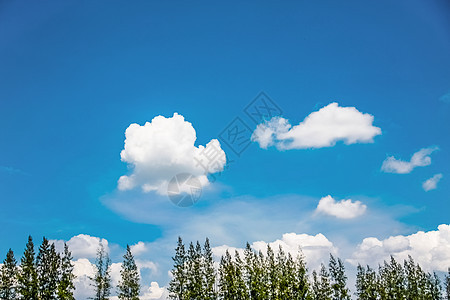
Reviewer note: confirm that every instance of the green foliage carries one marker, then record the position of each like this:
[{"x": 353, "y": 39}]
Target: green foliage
[
  {"x": 321, "y": 285},
  {"x": 129, "y": 286},
  {"x": 366, "y": 283},
  {"x": 65, "y": 284},
  {"x": 177, "y": 286},
  {"x": 8, "y": 274},
  {"x": 27, "y": 277},
  {"x": 339, "y": 279},
  {"x": 209, "y": 273},
  {"x": 447, "y": 284},
  {"x": 102, "y": 278},
  {"x": 300, "y": 285},
  {"x": 392, "y": 280},
  {"x": 194, "y": 272},
  {"x": 47, "y": 268}
]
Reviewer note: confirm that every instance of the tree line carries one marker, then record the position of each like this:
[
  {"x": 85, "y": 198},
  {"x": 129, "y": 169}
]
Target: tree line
[
  {"x": 277, "y": 275},
  {"x": 49, "y": 275},
  {"x": 246, "y": 275}
]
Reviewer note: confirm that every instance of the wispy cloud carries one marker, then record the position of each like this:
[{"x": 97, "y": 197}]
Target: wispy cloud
[
  {"x": 12, "y": 170},
  {"x": 445, "y": 98},
  {"x": 431, "y": 184},
  {"x": 419, "y": 159}
]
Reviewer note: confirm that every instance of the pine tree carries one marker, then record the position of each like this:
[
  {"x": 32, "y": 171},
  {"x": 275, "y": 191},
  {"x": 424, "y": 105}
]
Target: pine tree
[
  {"x": 339, "y": 279},
  {"x": 47, "y": 267},
  {"x": 392, "y": 281},
  {"x": 8, "y": 275},
  {"x": 321, "y": 285},
  {"x": 102, "y": 279},
  {"x": 366, "y": 283},
  {"x": 285, "y": 275},
  {"x": 194, "y": 272},
  {"x": 65, "y": 284},
  {"x": 227, "y": 284},
  {"x": 239, "y": 270},
  {"x": 209, "y": 273},
  {"x": 177, "y": 286},
  {"x": 301, "y": 284},
  {"x": 447, "y": 284},
  {"x": 415, "y": 279},
  {"x": 129, "y": 286},
  {"x": 272, "y": 273},
  {"x": 262, "y": 276},
  {"x": 435, "y": 287},
  {"x": 27, "y": 277},
  {"x": 251, "y": 272}
]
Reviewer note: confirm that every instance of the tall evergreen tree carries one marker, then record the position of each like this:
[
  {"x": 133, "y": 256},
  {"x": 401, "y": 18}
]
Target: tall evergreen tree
[
  {"x": 301, "y": 282},
  {"x": 102, "y": 278},
  {"x": 339, "y": 279},
  {"x": 231, "y": 278},
  {"x": 65, "y": 284},
  {"x": 194, "y": 272},
  {"x": 227, "y": 284},
  {"x": 178, "y": 284},
  {"x": 239, "y": 273},
  {"x": 435, "y": 287},
  {"x": 272, "y": 274},
  {"x": 262, "y": 276},
  {"x": 321, "y": 285},
  {"x": 285, "y": 275},
  {"x": 27, "y": 277},
  {"x": 8, "y": 277},
  {"x": 415, "y": 279},
  {"x": 366, "y": 283},
  {"x": 392, "y": 281},
  {"x": 47, "y": 267},
  {"x": 252, "y": 272},
  {"x": 129, "y": 286},
  {"x": 209, "y": 273},
  {"x": 447, "y": 284}
]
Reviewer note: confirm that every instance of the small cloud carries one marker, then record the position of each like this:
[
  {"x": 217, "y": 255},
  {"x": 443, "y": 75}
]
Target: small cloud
[
  {"x": 139, "y": 248},
  {"x": 12, "y": 170},
  {"x": 344, "y": 209},
  {"x": 322, "y": 128},
  {"x": 419, "y": 159},
  {"x": 163, "y": 148},
  {"x": 445, "y": 98},
  {"x": 431, "y": 184},
  {"x": 153, "y": 292}
]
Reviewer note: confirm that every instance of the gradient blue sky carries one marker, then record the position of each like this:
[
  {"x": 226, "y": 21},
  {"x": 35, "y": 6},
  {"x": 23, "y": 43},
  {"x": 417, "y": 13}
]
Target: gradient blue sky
[{"x": 75, "y": 74}]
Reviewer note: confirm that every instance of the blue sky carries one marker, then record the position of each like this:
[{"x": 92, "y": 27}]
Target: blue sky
[{"x": 75, "y": 75}]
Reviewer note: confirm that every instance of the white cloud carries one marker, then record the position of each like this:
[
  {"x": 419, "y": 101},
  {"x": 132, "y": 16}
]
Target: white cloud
[
  {"x": 83, "y": 269},
  {"x": 138, "y": 249},
  {"x": 153, "y": 292},
  {"x": 431, "y": 184},
  {"x": 322, "y": 128},
  {"x": 419, "y": 159},
  {"x": 163, "y": 148},
  {"x": 430, "y": 249},
  {"x": 84, "y": 249},
  {"x": 82, "y": 245},
  {"x": 344, "y": 209},
  {"x": 316, "y": 248}
]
